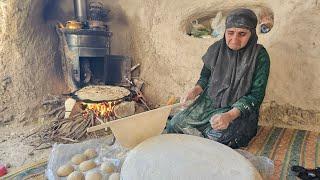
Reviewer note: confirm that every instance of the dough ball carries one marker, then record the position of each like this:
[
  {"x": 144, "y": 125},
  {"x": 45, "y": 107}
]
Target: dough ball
[
  {"x": 94, "y": 176},
  {"x": 114, "y": 176},
  {"x": 65, "y": 170},
  {"x": 87, "y": 165},
  {"x": 90, "y": 153},
  {"x": 107, "y": 167},
  {"x": 76, "y": 175},
  {"x": 78, "y": 158}
]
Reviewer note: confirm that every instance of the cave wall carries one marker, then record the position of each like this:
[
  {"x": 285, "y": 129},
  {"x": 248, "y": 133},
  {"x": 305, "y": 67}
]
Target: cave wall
[
  {"x": 171, "y": 60},
  {"x": 28, "y": 58}
]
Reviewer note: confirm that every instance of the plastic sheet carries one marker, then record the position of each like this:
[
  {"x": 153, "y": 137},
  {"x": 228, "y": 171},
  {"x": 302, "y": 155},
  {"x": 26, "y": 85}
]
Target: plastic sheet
[
  {"x": 62, "y": 153},
  {"x": 218, "y": 26},
  {"x": 264, "y": 165}
]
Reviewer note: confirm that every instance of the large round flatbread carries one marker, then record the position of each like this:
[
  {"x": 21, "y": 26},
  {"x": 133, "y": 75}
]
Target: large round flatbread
[
  {"x": 102, "y": 93},
  {"x": 177, "y": 156}
]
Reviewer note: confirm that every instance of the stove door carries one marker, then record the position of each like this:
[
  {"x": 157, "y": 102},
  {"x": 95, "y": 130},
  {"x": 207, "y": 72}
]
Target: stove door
[{"x": 117, "y": 69}]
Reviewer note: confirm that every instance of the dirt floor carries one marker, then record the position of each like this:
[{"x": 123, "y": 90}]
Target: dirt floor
[{"x": 17, "y": 149}]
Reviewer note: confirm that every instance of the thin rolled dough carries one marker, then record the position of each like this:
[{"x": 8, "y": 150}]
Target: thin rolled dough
[{"x": 178, "y": 156}]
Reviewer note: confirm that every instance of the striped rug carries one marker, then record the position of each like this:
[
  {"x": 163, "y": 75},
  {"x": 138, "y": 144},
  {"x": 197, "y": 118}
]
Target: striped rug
[
  {"x": 287, "y": 147},
  {"x": 33, "y": 171}
]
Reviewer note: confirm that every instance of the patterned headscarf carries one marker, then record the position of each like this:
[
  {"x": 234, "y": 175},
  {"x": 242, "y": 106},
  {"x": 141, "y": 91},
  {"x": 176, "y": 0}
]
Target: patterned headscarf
[{"x": 242, "y": 18}]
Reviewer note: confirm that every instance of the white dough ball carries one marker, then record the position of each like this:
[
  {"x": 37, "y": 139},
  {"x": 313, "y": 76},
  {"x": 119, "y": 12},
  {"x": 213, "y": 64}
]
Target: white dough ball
[
  {"x": 87, "y": 165},
  {"x": 65, "y": 170},
  {"x": 90, "y": 153},
  {"x": 107, "y": 167},
  {"x": 78, "y": 158},
  {"x": 76, "y": 175}
]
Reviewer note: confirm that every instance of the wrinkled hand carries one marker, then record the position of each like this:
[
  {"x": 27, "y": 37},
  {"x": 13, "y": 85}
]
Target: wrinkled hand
[
  {"x": 221, "y": 121},
  {"x": 191, "y": 95}
]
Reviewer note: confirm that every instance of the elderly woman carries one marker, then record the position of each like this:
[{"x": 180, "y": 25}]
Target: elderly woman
[{"x": 231, "y": 86}]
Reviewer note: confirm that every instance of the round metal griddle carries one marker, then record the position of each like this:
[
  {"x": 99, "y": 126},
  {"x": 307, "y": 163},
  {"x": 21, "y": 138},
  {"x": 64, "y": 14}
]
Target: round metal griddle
[{"x": 100, "y": 93}]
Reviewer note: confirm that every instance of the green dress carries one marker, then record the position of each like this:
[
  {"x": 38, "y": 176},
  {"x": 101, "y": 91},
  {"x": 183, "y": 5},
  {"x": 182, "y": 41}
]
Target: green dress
[{"x": 241, "y": 130}]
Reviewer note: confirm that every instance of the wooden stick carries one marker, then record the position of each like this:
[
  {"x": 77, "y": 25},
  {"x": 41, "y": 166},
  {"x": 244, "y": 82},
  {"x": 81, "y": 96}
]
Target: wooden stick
[
  {"x": 98, "y": 127},
  {"x": 99, "y": 120},
  {"x": 32, "y": 151},
  {"x": 52, "y": 101},
  {"x": 31, "y": 134},
  {"x": 68, "y": 139},
  {"x": 46, "y": 147},
  {"x": 54, "y": 111},
  {"x": 58, "y": 114},
  {"x": 2, "y": 109},
  {"x": 134, "y": 67}
]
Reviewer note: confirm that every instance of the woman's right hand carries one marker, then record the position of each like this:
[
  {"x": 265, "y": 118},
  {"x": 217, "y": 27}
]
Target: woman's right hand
[{"x": 191, "y": 95}]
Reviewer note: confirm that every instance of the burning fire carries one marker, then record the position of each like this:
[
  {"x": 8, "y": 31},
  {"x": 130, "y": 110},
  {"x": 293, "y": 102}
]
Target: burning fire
[{"x": 103, "y": 110}]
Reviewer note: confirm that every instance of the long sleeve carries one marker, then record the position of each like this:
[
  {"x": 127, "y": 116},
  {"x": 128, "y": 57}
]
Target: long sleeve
[
  {"x": 252, "y": 101},
  {"x": 204, "y": 77}
]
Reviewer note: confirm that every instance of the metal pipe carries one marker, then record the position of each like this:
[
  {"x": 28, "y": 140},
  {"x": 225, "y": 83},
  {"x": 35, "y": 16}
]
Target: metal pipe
[{"x": 81, "y": 10}]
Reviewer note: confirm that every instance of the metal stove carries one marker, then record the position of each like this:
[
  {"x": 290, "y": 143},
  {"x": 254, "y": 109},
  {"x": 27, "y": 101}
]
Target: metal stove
[{"x": 92, "y": 62}]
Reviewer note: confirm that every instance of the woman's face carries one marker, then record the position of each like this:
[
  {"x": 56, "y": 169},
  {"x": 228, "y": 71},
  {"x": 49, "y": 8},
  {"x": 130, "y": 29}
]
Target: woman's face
[{"x": 237, "y": 38}]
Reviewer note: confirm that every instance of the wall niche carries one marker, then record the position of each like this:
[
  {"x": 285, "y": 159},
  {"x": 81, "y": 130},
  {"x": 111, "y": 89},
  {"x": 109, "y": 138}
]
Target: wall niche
[{"x": 212, "y": 25}]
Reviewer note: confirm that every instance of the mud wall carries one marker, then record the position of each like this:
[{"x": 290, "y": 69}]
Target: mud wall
[
  {"x": 171, "y": 60},
  {"x": 28, "y": 58}
]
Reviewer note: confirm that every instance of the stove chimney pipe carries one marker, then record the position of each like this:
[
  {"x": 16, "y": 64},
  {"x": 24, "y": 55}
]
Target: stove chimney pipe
[{"x": 81, "y": 10}]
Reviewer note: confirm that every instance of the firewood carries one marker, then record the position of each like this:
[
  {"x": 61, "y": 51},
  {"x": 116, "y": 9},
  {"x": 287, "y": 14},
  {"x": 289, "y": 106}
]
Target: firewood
[
  {"x": 53, "y": 111},
  {"x": 68, "y": 139},
  {"x": 2, "y": 109},
  {"x": 52, "y": 101}
]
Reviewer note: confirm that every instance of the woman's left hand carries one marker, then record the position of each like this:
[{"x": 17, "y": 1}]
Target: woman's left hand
[{"x": 222, "y": 121}]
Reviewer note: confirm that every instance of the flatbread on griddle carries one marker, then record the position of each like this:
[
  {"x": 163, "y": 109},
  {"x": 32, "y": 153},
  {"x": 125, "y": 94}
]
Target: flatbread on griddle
[{"x": 102, "y": 93}]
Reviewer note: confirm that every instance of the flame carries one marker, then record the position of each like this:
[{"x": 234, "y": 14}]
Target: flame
[{"x": 102, "y": 110}]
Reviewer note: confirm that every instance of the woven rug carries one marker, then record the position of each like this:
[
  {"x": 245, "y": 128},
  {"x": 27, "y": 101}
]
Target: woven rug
[
  {"x": 287, "y": 147},
  {"x": 34, "y": 171}
]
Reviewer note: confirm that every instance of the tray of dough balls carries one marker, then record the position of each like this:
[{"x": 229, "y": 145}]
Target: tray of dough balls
[{"x": 89, "y": 160}]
